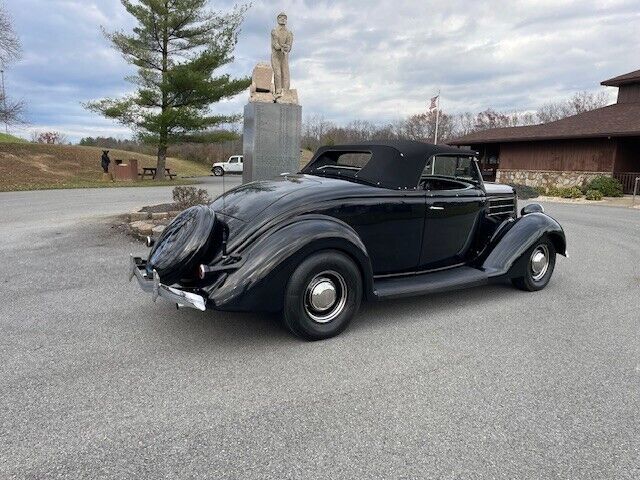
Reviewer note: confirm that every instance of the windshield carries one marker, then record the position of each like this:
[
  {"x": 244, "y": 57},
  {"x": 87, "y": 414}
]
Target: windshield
[{"x": 455, "y": 167}]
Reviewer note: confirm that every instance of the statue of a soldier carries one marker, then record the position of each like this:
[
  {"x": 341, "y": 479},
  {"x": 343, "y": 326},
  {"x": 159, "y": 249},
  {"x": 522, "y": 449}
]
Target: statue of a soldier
[{"x": 281, "y": 42}]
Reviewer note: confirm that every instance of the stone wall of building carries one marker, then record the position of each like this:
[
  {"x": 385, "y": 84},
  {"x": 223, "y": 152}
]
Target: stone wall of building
[{"x": 546, "y": 178}]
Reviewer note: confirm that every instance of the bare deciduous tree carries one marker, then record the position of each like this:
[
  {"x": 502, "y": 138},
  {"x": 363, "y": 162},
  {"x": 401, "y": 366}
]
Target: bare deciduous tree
[
  {"x": 314, "y": 129},
  {"x": 489, "y": 118},
  {"x": 48, "y": 138},
  {"x": 422, "y": 127},
  {"x": 10, "y": 48},
  {"x": 11, "y": 112},
  {"x": 579, "y": 103},
  {"x": 464, "y": 123}
]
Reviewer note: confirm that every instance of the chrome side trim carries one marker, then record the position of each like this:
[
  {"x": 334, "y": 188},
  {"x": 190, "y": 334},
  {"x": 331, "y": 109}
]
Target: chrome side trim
[
  {"x": 499, "y": 206},
  {"x": 157, "y": 289}
]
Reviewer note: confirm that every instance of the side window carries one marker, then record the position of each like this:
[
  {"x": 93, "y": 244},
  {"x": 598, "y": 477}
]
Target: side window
[
  {"x": 233, "y": 160},
  {"x": 449, "y": 172},
  {"x": 462, "y": 168}
]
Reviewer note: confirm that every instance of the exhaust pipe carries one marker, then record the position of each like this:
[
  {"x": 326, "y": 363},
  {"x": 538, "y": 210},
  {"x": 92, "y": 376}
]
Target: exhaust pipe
[
  {"x": 150, "y": 242},
  {"x": 202, "y": 271}
]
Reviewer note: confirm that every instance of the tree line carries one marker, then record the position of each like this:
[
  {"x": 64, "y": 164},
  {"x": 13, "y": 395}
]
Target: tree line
[
  {"x": 221, "y": 145},
  {"x": 317, "y": 130}
]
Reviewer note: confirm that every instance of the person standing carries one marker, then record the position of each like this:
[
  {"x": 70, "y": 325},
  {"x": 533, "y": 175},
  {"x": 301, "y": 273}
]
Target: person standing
[{"x": 105, "y": 161}]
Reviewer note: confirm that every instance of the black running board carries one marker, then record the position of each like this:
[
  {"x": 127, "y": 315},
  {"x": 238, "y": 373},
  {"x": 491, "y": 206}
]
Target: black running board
[{"x": 426, "y": 283}]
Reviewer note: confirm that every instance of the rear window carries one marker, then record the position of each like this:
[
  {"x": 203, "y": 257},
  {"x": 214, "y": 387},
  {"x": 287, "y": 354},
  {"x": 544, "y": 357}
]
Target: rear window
[
  {"x": 358, "y": 160},
  {"x": 341, "y": 163}
]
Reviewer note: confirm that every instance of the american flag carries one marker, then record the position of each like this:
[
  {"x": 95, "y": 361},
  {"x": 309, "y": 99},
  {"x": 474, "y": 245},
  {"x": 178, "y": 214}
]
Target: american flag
[{"x": 434, "y": 102}]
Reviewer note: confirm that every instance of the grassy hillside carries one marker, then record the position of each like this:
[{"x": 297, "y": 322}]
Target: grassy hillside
[
  {"x": 30, "y": 166},
  {"x": 4, "y": 138}
]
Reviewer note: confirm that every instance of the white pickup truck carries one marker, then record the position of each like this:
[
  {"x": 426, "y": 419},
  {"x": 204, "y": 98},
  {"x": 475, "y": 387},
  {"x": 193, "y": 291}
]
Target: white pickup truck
[{"x": 233, "y": 165}]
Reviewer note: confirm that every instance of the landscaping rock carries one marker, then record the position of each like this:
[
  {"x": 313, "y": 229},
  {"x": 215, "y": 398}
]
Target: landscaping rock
[
  {"x": 134, "y": 216},
  {"x": 147, "y": 229},
  {"x": 136, "y": 225},
  {"x": 142, "y": 228},
  {"x": 159, "y": 216},
  {"x": 157, "y": 230}
]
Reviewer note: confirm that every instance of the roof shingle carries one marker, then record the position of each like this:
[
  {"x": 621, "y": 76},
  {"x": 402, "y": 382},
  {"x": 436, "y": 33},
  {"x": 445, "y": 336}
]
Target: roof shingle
[
  {"x": 617, "y": 120},
  {"x": 626, "y": 79}
]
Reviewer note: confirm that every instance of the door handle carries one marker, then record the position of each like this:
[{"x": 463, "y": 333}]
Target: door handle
[{"x": 432, "y": 207}]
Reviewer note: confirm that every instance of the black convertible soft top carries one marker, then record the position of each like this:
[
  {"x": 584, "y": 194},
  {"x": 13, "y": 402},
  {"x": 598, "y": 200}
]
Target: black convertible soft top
[{"x": 395, "y": 164}]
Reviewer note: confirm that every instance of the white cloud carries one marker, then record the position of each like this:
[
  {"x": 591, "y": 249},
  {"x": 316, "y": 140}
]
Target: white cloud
[{"x": 375, "y": 60}]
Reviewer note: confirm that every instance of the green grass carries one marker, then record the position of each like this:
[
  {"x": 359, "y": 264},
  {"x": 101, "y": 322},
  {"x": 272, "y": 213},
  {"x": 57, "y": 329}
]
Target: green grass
[
  {"x": 5, "y": 138},
  {"x": 28, "y": 166}
]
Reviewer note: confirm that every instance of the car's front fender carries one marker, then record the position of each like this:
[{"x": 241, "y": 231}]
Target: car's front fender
[
  {"x": 517, "y": 238},
  {"x": 269, "y": 262}
]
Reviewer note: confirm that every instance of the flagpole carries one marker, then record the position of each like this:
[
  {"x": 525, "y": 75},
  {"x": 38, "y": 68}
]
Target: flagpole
[{"x": 435, "y": 139}]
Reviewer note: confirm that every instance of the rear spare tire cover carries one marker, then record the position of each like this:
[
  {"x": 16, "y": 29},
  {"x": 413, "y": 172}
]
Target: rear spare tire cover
[{"x": 182, "y": 244}]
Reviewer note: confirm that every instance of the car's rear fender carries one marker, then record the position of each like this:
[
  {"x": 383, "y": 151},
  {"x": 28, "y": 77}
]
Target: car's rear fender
[
  {"x": 269, "y": 262},
  {"x": 516, "y": 238}
]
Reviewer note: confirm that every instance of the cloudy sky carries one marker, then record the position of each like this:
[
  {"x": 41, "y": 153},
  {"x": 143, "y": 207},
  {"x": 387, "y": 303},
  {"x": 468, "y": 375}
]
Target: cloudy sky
[{"x": 366, "y": 59}]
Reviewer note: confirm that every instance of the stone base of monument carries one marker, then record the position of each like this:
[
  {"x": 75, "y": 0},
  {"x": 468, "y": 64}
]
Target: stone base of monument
[{"x": 271, "y": 140}]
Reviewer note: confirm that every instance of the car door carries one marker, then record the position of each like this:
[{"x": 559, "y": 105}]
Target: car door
[
  {"x": 233, "y": 166},
  {"x": 452, "y": 218},
  {"x": 389, "y": 225}
]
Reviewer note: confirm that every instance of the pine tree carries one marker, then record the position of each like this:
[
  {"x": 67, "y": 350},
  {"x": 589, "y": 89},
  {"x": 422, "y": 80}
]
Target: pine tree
[{"x": 177, "y": 46}]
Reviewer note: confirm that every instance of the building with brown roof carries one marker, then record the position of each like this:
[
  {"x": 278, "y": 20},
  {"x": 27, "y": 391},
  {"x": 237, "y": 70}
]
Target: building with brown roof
[{"x": 570, "y": 151}]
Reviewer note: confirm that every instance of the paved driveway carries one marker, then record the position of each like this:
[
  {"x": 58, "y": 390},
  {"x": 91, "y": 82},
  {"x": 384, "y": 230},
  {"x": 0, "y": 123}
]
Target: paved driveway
[{"x": 98, "y": 381}]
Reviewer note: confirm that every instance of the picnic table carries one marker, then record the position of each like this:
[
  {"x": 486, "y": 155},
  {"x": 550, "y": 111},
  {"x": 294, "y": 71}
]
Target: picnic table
[{"x": 151, "y": 171}]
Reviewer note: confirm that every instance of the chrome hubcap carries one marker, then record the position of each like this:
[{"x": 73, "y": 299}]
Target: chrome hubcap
[
  {"x": 539, "y": 262},
  {"x": 325, "y": 296}
]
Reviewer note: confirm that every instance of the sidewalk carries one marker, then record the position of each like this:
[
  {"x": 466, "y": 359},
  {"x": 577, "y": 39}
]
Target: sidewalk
[{"x": 626, "y": 201}]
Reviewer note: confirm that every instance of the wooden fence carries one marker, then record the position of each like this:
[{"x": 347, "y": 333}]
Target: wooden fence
[{"x": 628, "y": 180}]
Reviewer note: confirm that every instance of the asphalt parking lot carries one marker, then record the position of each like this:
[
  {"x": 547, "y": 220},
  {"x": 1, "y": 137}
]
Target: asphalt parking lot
[{"x": 98, "y": 381}]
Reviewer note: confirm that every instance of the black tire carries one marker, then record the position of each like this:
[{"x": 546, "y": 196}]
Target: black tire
[
  {"x": 218, "y": 171},
  {"x": 535, "y": 278},
  {"x": 182, "y": 244},
  {"x": 321, "y": 270}
]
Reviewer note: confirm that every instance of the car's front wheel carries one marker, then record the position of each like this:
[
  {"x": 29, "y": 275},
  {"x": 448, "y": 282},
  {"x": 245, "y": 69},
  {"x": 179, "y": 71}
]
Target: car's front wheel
[
  {"x": 322, "y": 296},
  {"x": 541, "y": 260},
  {"x": 218, "y": 171}
]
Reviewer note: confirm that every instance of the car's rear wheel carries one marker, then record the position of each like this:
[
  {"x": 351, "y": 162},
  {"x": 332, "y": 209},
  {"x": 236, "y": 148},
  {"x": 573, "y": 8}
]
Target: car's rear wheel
[
  {"x": 218, "y": 171},
  {"x": 322, "y": 296},
  {"x": 541, "y": 260}
]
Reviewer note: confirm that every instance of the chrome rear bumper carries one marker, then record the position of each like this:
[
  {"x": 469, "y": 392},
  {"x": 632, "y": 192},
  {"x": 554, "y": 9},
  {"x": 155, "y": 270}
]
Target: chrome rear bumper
[{"x": 182, "y": 298}]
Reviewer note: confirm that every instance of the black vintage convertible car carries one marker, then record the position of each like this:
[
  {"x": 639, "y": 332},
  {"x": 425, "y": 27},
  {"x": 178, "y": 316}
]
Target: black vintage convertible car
[{"x": 370, "y": 221}]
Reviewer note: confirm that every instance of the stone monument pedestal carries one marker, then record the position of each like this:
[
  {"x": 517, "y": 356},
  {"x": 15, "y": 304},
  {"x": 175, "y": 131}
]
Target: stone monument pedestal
[{"x": 271, "y": 140}]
